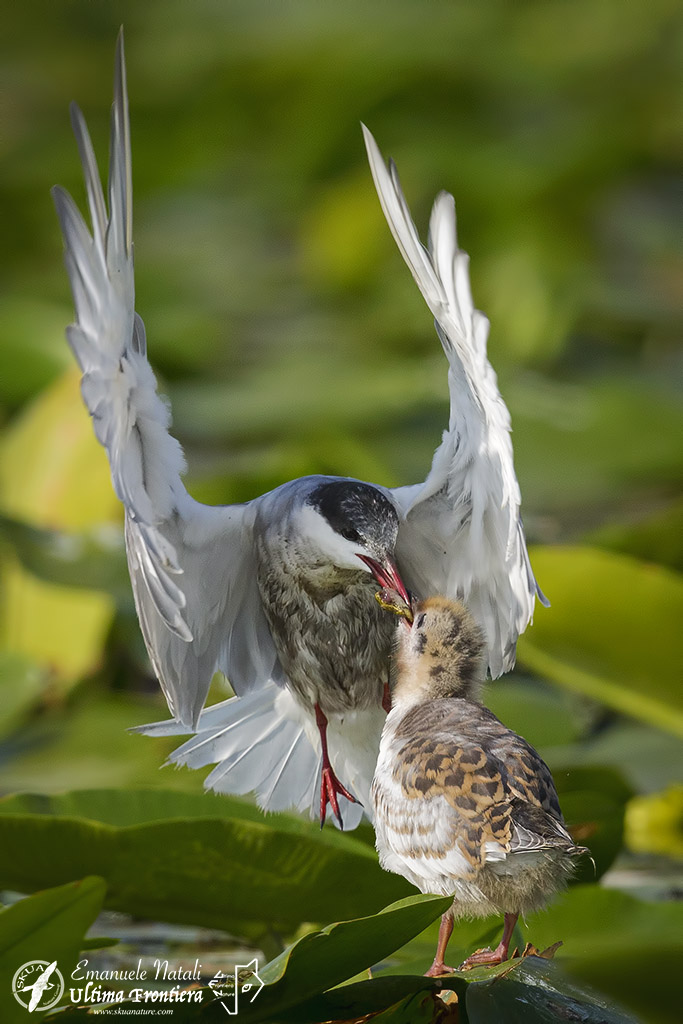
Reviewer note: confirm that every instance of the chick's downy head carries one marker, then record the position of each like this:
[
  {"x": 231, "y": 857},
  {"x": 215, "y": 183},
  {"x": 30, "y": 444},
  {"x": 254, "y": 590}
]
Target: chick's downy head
[{"x": 440, "y": 655}]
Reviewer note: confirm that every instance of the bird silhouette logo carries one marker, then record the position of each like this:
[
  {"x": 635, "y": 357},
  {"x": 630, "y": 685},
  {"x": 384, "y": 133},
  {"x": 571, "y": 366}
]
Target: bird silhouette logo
[{"x": 38, "y": 985}]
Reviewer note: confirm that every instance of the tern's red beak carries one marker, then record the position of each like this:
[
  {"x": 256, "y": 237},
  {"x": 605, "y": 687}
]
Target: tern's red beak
[{"x": 387, "y": 576}]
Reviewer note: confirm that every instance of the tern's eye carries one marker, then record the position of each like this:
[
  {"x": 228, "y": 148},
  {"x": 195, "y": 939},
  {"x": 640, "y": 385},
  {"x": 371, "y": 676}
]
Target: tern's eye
[
  {"x": 420, "y": 621},
  {"x": 350, "y": 533}
]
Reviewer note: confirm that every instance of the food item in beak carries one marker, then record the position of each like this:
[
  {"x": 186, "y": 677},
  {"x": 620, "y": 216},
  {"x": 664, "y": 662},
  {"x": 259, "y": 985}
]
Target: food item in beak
[{"x": 392, "y": 601}]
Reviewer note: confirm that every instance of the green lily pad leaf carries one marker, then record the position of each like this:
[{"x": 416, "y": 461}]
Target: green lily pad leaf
[
  {"x": 423, "y": 1008},
  {"x": 214, "y": 861},
  {"x": 22, "y": 683},
  {"x": 93, "y": 559},
  {"x": 543, "y": 715},
  {"x": 31, "y": 341},
  {"x": 593, "y": 802},
  {"x": 619, "y": 946},
  {"x": 320, "y": 960},
  {"x": 49, "y": 926},
  {"x": 89, "y": 739},
  {"x": 386, "y": 997},
  {"x": 407, "y": 1000},
  {"x": 645, "y": 757},
  {"x": 526, "y": 990},
  {"x": 536, "y": 991},
  {"x": 659, "y": 538},
  {"x": 655, "y": 822},
  {"x": 623, "y": 947},
  {"x": 613, "y": 632},
  {"x": 404, "y": 999},
  {"x": 99, "y": 942},
  {"x": 54, "y": 474}
]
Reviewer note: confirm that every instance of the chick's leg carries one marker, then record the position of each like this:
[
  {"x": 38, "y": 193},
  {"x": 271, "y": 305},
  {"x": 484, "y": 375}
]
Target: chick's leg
[
  {"x": 445, "y": 929},
  {"x": 484, "y": 957}
]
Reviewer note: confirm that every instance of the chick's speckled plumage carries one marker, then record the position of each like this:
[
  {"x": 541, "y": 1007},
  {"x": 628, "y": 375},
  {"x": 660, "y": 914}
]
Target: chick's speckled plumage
[{"x": 463, "y": 806}]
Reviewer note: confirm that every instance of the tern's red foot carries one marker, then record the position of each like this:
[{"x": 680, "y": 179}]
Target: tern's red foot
[
  {"x": 330, "y": 786},
  {"x": 330, "y": 789},
  {"x": 386, "y": 698}
]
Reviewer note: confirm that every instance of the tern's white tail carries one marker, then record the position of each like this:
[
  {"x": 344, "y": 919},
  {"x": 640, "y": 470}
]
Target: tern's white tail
[{"x": 265, "y": 743}]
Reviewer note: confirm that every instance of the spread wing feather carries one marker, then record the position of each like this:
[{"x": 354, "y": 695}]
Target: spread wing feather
[
  {"x": 191, "y": 566},
  {"x": 463, "y": 533}
]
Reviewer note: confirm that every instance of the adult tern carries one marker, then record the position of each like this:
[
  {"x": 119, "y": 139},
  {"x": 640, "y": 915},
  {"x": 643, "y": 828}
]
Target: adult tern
[{"x": 278, "y": 593}]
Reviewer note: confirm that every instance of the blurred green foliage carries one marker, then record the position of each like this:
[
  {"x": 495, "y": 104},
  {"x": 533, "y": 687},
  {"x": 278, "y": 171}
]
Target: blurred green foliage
[
  {"x": 55, "y": 922},
  {"x": 291, "y": 339}
]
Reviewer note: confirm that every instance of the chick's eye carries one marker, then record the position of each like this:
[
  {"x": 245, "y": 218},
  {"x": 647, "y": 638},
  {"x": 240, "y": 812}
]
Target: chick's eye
[{"x": 419, "y": 622}]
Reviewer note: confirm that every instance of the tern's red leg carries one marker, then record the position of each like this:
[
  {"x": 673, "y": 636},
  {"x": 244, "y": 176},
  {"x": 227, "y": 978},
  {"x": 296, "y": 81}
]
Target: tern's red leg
[
  {"x": 498, "y": 955},
  {"x": 330, "y": 786},
  {"x": 386, "y": 698},
  {"x": 445, "y": 928}
]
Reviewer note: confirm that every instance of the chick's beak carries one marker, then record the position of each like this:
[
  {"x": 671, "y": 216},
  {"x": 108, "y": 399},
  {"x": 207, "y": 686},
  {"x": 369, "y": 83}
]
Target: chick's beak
[{"x": 387, "y": 576}]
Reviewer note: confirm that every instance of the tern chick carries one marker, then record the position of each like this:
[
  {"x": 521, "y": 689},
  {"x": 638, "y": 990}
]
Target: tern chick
[{"x": 463, "y": 806}]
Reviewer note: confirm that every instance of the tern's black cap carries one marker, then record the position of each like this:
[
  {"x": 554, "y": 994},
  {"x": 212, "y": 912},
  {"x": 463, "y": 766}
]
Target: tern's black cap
[{"x": 359, "y": 512}]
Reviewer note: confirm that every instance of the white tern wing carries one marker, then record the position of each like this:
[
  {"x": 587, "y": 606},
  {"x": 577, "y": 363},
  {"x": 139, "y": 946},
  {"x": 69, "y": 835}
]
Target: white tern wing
[
  {"x": 463, "y": 533},
  {"x": 191, "y": 565}
]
